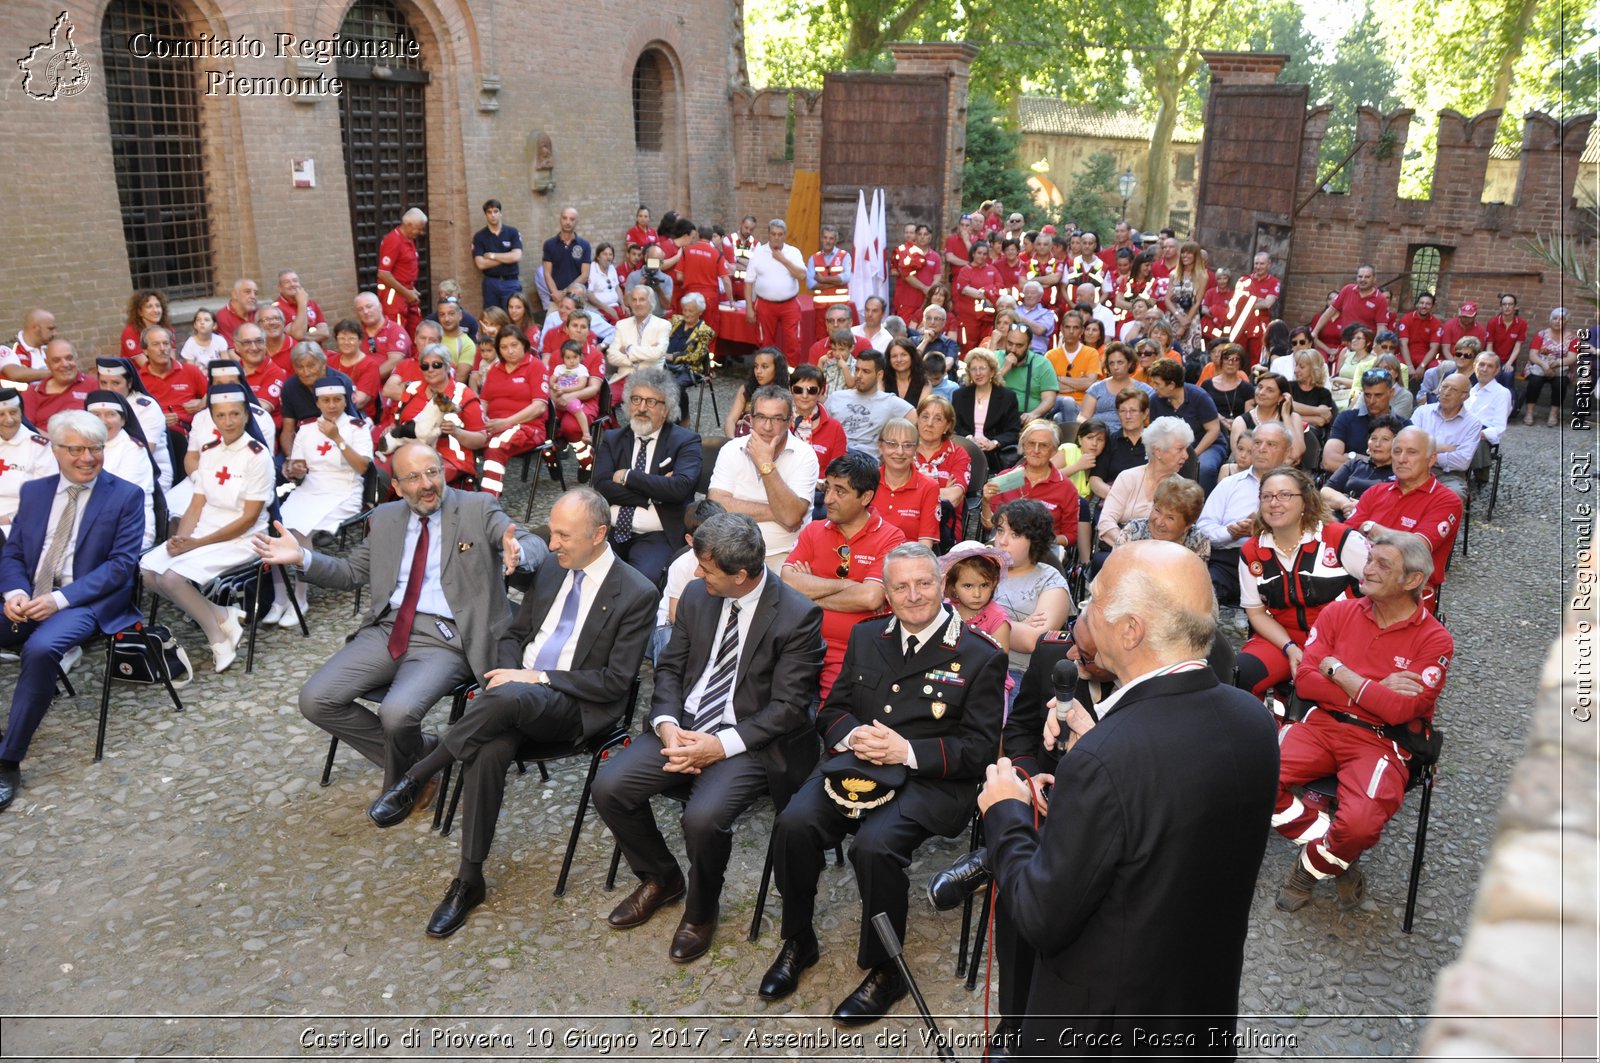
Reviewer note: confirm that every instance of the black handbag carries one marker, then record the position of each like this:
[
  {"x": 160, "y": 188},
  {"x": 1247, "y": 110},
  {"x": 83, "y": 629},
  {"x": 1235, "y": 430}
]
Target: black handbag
[{"x": 133, "y": 662}]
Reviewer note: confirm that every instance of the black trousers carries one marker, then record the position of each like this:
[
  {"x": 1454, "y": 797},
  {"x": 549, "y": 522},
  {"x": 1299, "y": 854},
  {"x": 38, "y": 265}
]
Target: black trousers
[
  {"x": 486, "y": 740},
  {"x": 885, "y": 840},
  {"x": 1224, "y": 568},
  {"x": 716, "y": 798}
]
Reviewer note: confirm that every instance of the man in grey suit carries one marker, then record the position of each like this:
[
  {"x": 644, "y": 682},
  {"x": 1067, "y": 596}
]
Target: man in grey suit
[
  {"x": 434, "y": 565},
  {"x": 566, "y": 669},
  {"x": 730, "y": 720}
]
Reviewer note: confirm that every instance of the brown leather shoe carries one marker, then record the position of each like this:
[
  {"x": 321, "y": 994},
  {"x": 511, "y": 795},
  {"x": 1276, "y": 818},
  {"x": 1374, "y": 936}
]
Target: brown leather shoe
[
  {"x": 637, "y": 907},
  {"x": 692, "y": 939}
]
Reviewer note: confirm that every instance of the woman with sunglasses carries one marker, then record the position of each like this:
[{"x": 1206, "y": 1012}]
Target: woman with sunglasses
[
  {"x": 457, "y": 415},
  {"x": 1298, "y": 560},
  {"x": 233, "y": 484},
  {"x": 1354, "y": 359}
]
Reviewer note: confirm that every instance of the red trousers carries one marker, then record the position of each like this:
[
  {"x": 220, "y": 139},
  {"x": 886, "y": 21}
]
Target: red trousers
[
  {"x": 974, "y": 329},
  {"x": 1272, "y": 659},
  {"x": 780, "y": 327},
  {"x": 503, "y": 447},
  {"x": 1372, "y": 782}
]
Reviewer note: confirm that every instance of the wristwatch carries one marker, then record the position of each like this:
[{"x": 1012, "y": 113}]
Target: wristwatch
[
  {"x": 343, "y": 446},
  {"x": 767, "y": 468}
]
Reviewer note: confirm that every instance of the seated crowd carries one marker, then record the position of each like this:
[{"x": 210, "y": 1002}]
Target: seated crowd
[{"x": 896, "y": 534}]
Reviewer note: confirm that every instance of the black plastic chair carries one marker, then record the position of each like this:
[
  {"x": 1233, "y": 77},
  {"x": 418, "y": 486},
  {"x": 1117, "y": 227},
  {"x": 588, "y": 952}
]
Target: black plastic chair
[
  {"x": 458, "y": 701},
  {"x": 766, "y": 881},
  {"x": 598, "y": 749},
  {"x": 156, "y": 659},
  {"x": 974, "y": 497},
  {"x": 709, "y": 448},
  {"x": 549, "y": 454},
  {"x": 243, "y": 583}
]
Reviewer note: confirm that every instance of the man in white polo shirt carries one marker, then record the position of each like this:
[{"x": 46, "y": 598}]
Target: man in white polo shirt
[
  {"x": 24, "y": 360},
  {"x": 772, "y": 284},
  {"x": 769, "y": 474}
]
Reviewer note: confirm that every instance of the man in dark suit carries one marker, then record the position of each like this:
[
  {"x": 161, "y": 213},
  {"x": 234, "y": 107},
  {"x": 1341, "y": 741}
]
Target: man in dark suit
[
  {"x": 730, "y": 720},
  {"x": 566, "y": 667},
  {"x": 67, "y": 572},
  {"x": 1137, "y": 891},
  {"x": 647, "y": 470},
  {"x": 918, "y": 689},
  {"x": 434, "y": 566}
]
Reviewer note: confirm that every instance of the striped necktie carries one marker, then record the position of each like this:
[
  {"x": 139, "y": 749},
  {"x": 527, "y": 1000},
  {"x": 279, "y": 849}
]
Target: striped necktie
[
  {"x": 44, "y": 579},
  {"x": 709, "y": 716}
]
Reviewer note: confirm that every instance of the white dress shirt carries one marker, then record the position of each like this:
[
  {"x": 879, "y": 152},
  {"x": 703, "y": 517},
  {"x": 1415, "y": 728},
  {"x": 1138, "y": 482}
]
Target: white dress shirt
[
  {"x": 767, "y": 277},
  {"x": 732, "y": 744},
  {"x": 1491, "y": 404},
  {"x": 594, "y": 574},
  {"x": 431, "y": 598},
  {"x": 1234, "y": 499},
  {"x": 645, "y": 518},
  {"x": 922, "y": 637}
]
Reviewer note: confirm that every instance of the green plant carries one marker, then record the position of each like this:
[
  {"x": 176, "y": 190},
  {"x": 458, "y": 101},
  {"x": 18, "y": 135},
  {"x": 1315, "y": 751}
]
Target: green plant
[{"x": 1563, "y": 253}]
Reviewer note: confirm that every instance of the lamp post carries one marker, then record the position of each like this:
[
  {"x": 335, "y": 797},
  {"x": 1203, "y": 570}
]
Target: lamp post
[{"x": 1126, "y": 183}]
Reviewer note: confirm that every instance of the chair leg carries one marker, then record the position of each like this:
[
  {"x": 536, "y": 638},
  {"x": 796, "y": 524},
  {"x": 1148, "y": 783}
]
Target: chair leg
[
  {"x": 294, "y": 603},
  {"x": 158, "y": 664},
  {"x": 1494, "y": 488},
  {"x": 1416, "y": 852},
  {"x": 544, "y": 772},
  {"x": 1466, "y": 522},
  {"x": 251, "y": 617},
  {"x": 761, "y": 894},
  {"x": 438, "y": 802},
  {"x": 527, "y": 509},
  {"x": 977, "y": 948},
  {"x": 450, "y": 812},
  {"x": 577, "y": 824},
  {"x": 66, "y": 683},
  {"x": 105, "y": 697},
  {"x": 616, "y": 864},
  {"x": 356, "y": 609},
  {"x": 327, "y": 765}
]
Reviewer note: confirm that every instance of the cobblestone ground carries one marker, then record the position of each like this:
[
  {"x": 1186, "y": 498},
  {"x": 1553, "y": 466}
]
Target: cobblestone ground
[{"x": 198, "y": 893}]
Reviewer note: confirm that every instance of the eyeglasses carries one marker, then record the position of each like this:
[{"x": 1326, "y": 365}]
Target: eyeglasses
[
  {"x": 1279, "y": 496},
  {"x": 770, "y": 418},
  {"x": 900, "y": 444},
  {"x": 249, "y": 343},
  {"x": 1376, "y": 376},
  {"x": 843, "y": 571},
  {"x": 432, "y": 472},
  {"x": 646, "y": 401},
  {"x": 74, "y": 451},
  {"x": 804, "y": 389},
  {"x": 434, "y": 365}
]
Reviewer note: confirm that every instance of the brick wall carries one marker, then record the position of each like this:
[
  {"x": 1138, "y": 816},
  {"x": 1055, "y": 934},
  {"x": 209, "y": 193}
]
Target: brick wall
[
  {"x": 763, "y": 167},
  {"x": 499, "y": 72},
  {"x": 1329, "y": 235}
]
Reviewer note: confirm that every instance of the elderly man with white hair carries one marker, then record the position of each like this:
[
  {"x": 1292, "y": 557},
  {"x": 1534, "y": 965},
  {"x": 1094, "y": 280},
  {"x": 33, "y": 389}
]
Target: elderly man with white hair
[
  {"x": 67, "y": 573},
  {"x": 773, "y": 277},
  {"x": 640, "y": 339},
  {"x": 1229, "y": 514},
  {"x": 1039, "y": 318}
]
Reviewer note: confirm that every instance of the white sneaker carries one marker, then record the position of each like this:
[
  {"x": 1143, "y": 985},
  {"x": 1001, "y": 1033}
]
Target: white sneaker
[
  {"x": 275, "y": 614},
  {"x": 70, "y": 659},
  {"x": 288, "y": 619},
  {"x": 222, "y": 655}
]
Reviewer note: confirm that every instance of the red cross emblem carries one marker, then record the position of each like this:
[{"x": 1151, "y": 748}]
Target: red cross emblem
[
  {"x": 223, "y": 475},
  {"x": 4, "y": 468},
  {"x": 323, "y": 448}
]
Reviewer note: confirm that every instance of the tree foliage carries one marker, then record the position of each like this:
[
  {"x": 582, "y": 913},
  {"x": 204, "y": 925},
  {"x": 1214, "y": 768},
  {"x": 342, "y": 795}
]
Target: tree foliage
[
  {"x": 990, "y": 170},
  {"x": 1092, "y": 201}
]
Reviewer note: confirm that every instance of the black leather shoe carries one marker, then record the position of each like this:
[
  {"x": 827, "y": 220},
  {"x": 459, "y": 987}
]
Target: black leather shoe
[
  {"x": 460, "y": 899},
  {"x": 395, "y": 803},
  {"x": 692, "y": 940},
  {"x": 950, "y": 887},
  {"x": 10, "y": 783},
  {"x": 783, "y": 976},
  {"x": 873, "y": 998},
  {"x": 646, "y": 899}
]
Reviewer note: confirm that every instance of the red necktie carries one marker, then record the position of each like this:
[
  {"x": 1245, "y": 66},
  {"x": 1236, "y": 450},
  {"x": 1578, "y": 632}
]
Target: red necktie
[{"x": 400, "y": 634}]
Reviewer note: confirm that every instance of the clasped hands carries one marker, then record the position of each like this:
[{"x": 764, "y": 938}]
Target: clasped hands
[
  {"x": 20, "y": 608},
  {"x": 687, "y": 752}
]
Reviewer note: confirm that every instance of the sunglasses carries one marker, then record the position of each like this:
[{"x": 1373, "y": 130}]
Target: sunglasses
[
  {"x": 843, "y": 571},
  {"x": 802, "y": 389},
  {"x": 1376, "y": 376},
  {"x": 1300, "y": 341},
  {"x": 434, "y": 365}
]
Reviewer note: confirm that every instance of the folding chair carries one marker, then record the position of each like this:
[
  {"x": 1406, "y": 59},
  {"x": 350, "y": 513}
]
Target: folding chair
[
  {"x": 979, "y": 476},
  {"x": 243, "y": 583},
  {"x": 549, "y": 452},
  {"x": 458, "y": 703},
  {"x": 598, "y": 749}
]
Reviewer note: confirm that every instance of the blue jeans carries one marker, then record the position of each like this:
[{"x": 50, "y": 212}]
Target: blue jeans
[
  {"x": 497, "y": 291},
  {"x": 1210, "y": 462}
]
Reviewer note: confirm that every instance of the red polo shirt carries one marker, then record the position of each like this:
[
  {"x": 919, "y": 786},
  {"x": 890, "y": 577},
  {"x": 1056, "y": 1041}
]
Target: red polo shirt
[
  {"x": 313, "y": 312},
  {"x": 389, "y": 339},
  {"x": 184, "y": 383},
  {"x": 1419, "y": 332},
  {"x": 280, "y": 357},
  {"x": 951, "y": 465},
  {"x": 1432, "y": 511},
  {"x": 823, "y": 547},
  {"x": 826, "y": 436},
  {"x": 819, "y": 350},
  {"x": 703, "y": 267},
  {"x": 1347, "y": 630},
  {"x": 364, "y": 378},
  {"x": 39, "y": 405},
  {"x": 913, "y": 508},
  {"x": 1058, "y": 494},
  {"x": 1503, "y": 337},
  {"x": 1352, "y": 308},
  {"x": 1454, "y": 330},
  {"x": 267, "y": 384},
  {"x": 227, "y": 321},
  {"x": 398, "y": 256}
]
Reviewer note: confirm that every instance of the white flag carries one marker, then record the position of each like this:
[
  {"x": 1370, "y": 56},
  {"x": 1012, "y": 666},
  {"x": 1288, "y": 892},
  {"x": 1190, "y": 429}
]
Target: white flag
[{"x": 860, "y": 287}]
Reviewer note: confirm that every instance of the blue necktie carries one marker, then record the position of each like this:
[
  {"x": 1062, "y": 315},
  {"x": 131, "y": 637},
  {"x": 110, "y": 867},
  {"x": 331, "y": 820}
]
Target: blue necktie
[
  {"x": 718, "y": 687},
  {"x": 550, "y": 653}
]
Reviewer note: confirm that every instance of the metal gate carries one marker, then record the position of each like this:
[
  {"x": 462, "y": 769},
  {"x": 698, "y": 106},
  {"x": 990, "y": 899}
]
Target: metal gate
[{"x": 382, "y": 114}]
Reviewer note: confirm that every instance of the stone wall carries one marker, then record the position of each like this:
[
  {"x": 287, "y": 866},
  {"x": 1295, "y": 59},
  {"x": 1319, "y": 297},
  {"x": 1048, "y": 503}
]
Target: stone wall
[
  {"x": 1526, "y": 975},
  {"x": 765, "y": 159}
]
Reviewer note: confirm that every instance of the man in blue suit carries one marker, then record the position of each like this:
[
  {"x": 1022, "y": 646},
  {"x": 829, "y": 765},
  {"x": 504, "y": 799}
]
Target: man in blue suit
[
  {"x": 647, "y": 470},
  {"x": 67, "y": 572}
]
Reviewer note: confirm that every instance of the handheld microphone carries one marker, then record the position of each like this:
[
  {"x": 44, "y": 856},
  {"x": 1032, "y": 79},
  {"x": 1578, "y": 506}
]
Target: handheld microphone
[{"x": 1064, "y": 677}]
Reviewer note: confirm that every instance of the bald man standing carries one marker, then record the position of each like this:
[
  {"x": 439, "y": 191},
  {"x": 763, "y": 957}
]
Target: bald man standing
[
  {"x": 1136, "y": 891},
  {"x": 398, "y": 270}
]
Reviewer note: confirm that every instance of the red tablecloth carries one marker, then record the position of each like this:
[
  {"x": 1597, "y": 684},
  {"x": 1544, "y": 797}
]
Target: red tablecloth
[{"x": 737, "y": 336}]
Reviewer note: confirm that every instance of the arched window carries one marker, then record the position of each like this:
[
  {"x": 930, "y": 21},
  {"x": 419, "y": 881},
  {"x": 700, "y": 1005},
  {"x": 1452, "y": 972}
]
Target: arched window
[
  {"x": 650, "y": 80},
  {"x": 157, "y": 151},
  {"x": 1425, "y": 265}
]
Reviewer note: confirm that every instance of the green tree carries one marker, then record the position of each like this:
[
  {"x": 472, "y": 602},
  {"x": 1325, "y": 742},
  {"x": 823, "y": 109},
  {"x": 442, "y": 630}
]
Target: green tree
[
  {"x": 990, "y": 169},
  {"x": 1359, "y": 75},
  {"x": 1091, "y": 203}
]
